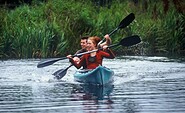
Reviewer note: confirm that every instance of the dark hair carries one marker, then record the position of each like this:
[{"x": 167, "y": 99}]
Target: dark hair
[{"x": 84, "y": 37}]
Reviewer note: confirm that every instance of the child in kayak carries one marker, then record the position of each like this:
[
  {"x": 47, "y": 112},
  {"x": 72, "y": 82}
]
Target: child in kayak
[{"x": 94, "y": 59}]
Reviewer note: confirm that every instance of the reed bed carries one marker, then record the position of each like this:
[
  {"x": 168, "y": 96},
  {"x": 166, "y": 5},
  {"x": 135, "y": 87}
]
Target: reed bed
[{"x": 53, "y": 28}]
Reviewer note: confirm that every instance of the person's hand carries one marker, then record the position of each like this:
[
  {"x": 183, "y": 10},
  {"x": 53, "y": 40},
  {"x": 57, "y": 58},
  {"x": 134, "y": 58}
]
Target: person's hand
[
  {"x": 107, "y": 37},
  {"x": 108, "y": 40},
  {"x": 76, "y": 59},
  {"x": 105, "y": 47},
  {"x": 69, "y": 56}
]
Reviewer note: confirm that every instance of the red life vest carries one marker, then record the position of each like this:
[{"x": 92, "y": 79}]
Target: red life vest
[{"x": 97, "y": 61}]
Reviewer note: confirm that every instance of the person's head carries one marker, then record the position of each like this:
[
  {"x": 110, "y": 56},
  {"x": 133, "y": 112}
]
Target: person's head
[
  {"x": 83, "y": 42},
  {"x": 92, "y": 43}
]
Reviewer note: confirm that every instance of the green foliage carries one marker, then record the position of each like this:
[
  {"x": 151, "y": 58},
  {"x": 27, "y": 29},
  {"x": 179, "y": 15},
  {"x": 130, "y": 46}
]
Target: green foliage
[
  {"x": 162, "y": 32},
  {"x": 53, "y": 28},
  {"x": 173, "y": 31}
]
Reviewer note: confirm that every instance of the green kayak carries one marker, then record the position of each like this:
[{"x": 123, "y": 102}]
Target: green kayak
[{"x": 100, "y": 75}]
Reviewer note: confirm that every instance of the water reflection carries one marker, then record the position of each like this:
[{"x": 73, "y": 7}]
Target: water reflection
[
  {"x": 93, "y": 91},
  {"x": 93, "y": 97}
]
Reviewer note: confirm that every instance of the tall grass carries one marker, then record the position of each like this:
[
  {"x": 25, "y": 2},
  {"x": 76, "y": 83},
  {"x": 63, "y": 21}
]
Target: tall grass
[
  {"x": 43, "y": 31},
  {"x": 162, "y": 32},
  {"x": 53, "y": 28},
  {"x": 26, "y": 32},
  {"x": 173, "y": 26}
]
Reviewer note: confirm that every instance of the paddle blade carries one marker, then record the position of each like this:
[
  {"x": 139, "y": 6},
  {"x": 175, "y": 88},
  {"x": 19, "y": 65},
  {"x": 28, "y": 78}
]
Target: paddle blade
[
  {"x": 127, "y": 20},
  {"x": 61, "y": 73},
  {"x": 124, "y": 23},
  {"x": 49, "y": 62},
  {"x": 129, "y": 41}
]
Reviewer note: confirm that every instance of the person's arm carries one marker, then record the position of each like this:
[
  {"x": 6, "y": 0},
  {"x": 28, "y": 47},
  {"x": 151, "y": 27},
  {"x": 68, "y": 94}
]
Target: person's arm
[
  {"x": 77, "y": 59},
  {"x": 77, "y": 65},
  {"x": 107, "y": 53},
  {"x": 112, "y": 55},
  {"x": 107, "y": 42}
]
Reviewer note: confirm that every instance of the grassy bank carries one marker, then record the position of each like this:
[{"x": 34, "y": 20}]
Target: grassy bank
[{"x": 53, "y": 28}]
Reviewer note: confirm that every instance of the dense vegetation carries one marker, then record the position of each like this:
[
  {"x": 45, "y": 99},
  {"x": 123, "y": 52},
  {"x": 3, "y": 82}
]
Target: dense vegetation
[{"x": 53, "y": 28}]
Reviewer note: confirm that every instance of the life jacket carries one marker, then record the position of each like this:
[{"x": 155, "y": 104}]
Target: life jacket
[{"x": 95, "y": 61}]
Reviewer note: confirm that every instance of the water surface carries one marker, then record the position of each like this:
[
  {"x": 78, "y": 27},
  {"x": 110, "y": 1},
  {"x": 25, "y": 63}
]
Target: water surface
[{"x": 141, "y": 85}]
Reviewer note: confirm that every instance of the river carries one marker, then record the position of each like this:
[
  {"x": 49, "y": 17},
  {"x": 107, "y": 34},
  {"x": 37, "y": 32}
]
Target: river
[{"x": 141, "y": 85}]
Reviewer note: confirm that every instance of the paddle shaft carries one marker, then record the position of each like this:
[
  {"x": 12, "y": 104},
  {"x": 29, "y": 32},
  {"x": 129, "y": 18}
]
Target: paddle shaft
[
  {"x": 124, "y": 23},
  {"x": 128, "y": 41},
  {"x": 109, "y": 35}
]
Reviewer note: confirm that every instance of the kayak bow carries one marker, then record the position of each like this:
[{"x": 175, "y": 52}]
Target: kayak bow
[{"x": 100, "y": 75}]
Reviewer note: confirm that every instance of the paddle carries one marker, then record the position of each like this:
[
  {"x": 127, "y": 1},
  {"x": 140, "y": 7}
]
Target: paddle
[
  {"x": 124, "y": 23},
  {"x": 61, "y": 73},
  {"x": 45, "y": 63},
  {"x": 128, "y": 41}
]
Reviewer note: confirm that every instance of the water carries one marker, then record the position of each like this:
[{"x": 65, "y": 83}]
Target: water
[{"x": 141, "y": 85}]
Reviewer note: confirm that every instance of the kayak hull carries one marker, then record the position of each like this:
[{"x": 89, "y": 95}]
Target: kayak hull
[{"x": 100, "y": 75}]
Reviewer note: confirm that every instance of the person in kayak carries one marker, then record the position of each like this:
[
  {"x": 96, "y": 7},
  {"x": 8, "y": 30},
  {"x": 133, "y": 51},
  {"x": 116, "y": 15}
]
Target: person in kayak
[
  {"x": 83, "y": 44},
  {"x": 94, "y": 59}
]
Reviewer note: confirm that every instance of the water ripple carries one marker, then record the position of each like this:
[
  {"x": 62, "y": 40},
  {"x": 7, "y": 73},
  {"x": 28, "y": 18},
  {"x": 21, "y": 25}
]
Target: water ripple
[{"x": 141, "y": 84}]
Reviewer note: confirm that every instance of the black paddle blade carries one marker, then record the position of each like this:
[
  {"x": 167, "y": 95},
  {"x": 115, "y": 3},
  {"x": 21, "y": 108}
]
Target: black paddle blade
[
  {"x": 127, "y": 20},
  {"x": 49, "y": 62},
  {"x": 131, "y": 40},
  {"x": 60, "y": 73},
  {"x": 124, "y": 23}
]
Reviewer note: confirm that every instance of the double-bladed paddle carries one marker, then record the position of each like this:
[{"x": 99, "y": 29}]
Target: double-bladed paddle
[
  {"x": 124, "y": 23},
  {"x": 128, "y": 41}
]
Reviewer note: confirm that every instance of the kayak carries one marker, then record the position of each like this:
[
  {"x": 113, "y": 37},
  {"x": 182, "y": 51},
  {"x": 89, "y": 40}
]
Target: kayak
[{"x": 100, "y": 76}]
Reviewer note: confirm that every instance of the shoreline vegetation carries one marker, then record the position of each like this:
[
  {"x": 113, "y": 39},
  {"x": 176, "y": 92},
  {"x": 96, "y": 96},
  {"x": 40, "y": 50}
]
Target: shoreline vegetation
[{"x": 52, "y": 28}]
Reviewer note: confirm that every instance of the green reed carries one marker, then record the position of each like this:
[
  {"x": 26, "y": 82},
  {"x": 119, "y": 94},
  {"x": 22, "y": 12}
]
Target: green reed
[
  {"x": 53, "y": 28},
  {"x": 174, "y": 34},
  {"x": 162, "y": 33}
]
